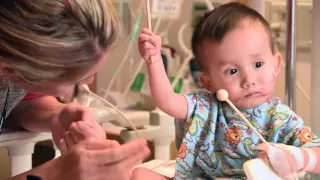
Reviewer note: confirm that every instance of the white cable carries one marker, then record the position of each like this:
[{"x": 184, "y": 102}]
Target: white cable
[
  {"x": 141, "y": 63},
  {"x": 209, "y": 5},
  {"x": 86, "y": 87},
  {"x": 183, "y": 46},
  {"x": 118, "y": 69},
  {"x": 186, "y": 50},
  {"x": 166, "y": 29},
  {"x": 131, "y": 9},
  {"x": 126, "y": 55},
  {"x": 156, "y": 27},
  {"x": 113, "y": 107},
  {"x": 127, "y": 88},
  {"x": 182, "y": 69}
]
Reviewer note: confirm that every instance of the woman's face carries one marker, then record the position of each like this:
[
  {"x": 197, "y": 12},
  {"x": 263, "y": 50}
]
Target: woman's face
[{"x": 58, "y": 88}]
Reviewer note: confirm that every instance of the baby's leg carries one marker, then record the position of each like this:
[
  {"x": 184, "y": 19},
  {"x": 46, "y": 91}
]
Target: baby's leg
[{"x": 146, "y": 174}]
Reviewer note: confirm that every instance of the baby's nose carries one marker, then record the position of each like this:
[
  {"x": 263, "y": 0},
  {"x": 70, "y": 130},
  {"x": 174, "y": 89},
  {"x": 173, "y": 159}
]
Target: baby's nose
[{"x": 248, "y": 81}]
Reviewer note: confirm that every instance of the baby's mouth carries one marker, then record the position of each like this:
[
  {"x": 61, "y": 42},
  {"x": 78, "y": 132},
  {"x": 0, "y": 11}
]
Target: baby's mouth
[{"x": 254, "y": 94}]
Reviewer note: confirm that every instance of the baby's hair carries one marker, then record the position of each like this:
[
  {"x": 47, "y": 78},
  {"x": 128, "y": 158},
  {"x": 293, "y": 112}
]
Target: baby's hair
[
  {"x": 215, "y": 25},
  {"x": 55, "y": 40}
]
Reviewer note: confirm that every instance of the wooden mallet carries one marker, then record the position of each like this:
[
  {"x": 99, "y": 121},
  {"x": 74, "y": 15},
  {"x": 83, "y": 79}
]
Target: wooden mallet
[{"x": 149, "y": 22}]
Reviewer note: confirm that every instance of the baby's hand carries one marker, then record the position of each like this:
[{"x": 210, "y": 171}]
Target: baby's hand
[
  {"x": 283, "y": 159},
  {"x": 79, "y": 131},
  {"x": 73, "y": 124},
  {"x": 149, "y": 45}
]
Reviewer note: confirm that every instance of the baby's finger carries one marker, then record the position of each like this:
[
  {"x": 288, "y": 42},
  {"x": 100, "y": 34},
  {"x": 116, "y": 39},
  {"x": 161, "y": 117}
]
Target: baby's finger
[
  {"x": 69, "y": 140},
  {"x": 147, "y": 31},
  {"x": 147, "y": 46},
  {"x": 148, "y": 40},
  {"x": 62, "y": 146},
  {"x": 89, "y": 118},
  {"x": 76, "y": 133},
  {"x": 88, "y": 132},
  {"x": 136, "y": 148},
  {"x": 148, "y": 53},
  {"x": 262, "y": 147},
  {"x": 85, "y": 130},
  {"x": 143, "y": 38},
  {"x": 152, "y": 41},
  {"x": 98, "y": 144}
]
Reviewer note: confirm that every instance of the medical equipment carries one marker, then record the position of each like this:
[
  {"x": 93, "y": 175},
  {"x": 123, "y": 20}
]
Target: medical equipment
[
  {"x": 160, "y": 17},
  {"x": 258, "y": 168},
  {"x": 155, "y": 126},
  {"x": 133, "y": 37},
  {"x": 185, "y": 49},
  {"x": 124, "y": 12},
  {"x": 20, "y": 147},
  {"x": 129, "y": 123},
  {"x": 160, "y": 131}
]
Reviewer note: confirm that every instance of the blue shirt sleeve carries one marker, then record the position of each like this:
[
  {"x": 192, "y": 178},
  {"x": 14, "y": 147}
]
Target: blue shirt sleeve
[
  {"x": 188, "y": 134},
  {"x": 200, "y": 101},
  {"x": 294, "y": 131}
]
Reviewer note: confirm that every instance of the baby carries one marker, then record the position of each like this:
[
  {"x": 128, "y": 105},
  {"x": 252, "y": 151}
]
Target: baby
[{"x": 233, "y": 46}]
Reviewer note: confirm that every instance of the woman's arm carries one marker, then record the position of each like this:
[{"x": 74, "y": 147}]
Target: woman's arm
[
  {"x": 34, "y": 114},
  {"x": 47, "y": 171},
  {"x": 93, "y": 159}
]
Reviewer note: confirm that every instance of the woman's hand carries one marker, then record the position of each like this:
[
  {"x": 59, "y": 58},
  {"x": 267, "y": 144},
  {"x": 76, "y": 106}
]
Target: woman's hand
[
  {"x": 73, "y": 124},
  {"x": 103, "y": 159},
  {"x": 94, "y": 159}
]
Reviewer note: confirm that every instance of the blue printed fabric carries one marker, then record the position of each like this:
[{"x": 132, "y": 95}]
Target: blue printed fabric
[{"x": 214, "y": 142}]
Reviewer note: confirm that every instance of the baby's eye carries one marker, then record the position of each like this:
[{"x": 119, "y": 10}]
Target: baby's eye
[
  {"x": 232, "y": 71},
  {"x": 258, "y": 64}
]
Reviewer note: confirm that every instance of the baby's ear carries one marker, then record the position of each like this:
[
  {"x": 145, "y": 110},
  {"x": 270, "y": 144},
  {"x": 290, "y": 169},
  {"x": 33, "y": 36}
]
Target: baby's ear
[
  {"x": 206, "y": 82},
  {"x": 277, "y": 58}
]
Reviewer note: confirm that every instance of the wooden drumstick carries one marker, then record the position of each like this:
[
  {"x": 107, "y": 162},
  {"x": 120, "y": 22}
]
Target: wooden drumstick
[
  {"x": 149, "y": 22},
  {"x": 223, "y": 95}
]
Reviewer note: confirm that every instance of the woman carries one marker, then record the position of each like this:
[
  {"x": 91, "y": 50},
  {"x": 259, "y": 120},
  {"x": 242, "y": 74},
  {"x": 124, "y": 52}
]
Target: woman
[{"x": 47, "y": 46}]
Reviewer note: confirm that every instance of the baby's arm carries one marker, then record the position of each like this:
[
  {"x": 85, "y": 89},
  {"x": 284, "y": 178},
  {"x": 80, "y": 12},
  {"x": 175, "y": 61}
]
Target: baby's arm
[
  {"x": 312, "y": 159},
  {"x": 171, "y": 103},
  {"x": 305, "y": 145},
  {"x": 299, "y": 145},
  {"x": 286, "y": 159}
]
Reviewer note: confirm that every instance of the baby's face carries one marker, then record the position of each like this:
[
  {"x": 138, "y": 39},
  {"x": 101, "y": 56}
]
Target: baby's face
[{"x": 242, "y": 64}]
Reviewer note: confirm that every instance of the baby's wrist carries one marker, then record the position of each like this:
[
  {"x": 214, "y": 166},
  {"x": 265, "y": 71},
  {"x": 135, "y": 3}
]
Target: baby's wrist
[
  {"x": 296, "y": 153},
  {"x": 154, "y": 60},
  {"x": 310, "y": 159},
  {"x": 299, "y": 155}
]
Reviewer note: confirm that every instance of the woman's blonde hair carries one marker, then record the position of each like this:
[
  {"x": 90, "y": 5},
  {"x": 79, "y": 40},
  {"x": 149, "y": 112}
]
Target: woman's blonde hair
[{"x": 54, "y": 40}]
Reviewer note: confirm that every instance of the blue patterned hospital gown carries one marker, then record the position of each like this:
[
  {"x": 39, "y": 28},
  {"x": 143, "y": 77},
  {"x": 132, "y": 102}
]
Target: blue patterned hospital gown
[{"x": 214, "y": 142}]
